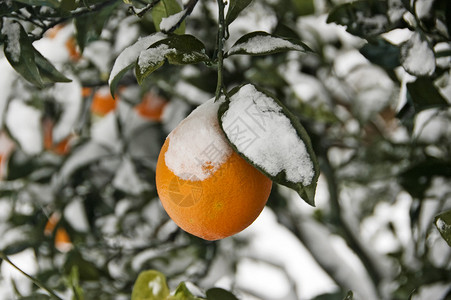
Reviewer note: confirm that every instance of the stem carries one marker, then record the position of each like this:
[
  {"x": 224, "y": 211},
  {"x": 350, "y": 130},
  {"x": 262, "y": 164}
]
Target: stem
[
  {"x": 34, "y": 280},
  {"x": 220, "y": 41}
]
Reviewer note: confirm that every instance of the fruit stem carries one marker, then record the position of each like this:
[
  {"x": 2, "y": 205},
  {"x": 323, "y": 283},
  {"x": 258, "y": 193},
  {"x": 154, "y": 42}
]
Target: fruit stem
[
  {"x": 220, "y": 41},
  {"x": 34, "y": 280}
]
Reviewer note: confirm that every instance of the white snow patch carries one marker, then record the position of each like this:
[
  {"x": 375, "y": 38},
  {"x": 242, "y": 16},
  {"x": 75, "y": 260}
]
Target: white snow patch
[
  {"x": 131, "y": 53},
  {"x": 6, "y": 82},
  {"x": 171, "y": 21},
  {"x": 69, "y": 96},
  {"x": 198, "y": 147},
  {"x": 152, "y": 56},
  {"x": 12, "y": 30},
  {"x": 417, "y": 57},
  {"x": 263, "y": 44},
  {"x": 24, "y": 124},
  {"x": 255, "y": 124}
]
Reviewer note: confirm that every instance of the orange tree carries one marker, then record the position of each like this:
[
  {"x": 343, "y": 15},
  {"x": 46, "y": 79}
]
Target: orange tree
[{"x": 368, "y": 80}]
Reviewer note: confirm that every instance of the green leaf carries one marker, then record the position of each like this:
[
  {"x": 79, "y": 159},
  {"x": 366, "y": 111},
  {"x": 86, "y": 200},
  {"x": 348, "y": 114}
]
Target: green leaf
[
  {"x": 127, "y": 58},
  {"x": 183, "y": 293},
  {"x": 26, "y": 60},
  {"x": 89, "y": 26},
  {"x": 417, "y": 178},
  {"x": 304, "y": 7},
  {"x": 382, "y": 53},
  {"x": 164, "y": 9},
  {"x": 363, "y": 18},
  {"x": 20, "y": 52},
  {"x": 220, "y": 294},
  {"x": 424, "y": 94},
  {"x": 235, "y": 7},
  {"x": 150, "y": 285},
  {"x": 263, "y": 43},
  {"x": 177, "y": 49},
  {"x": 443, "y": 224},
  {"x": 417, "y": 56},
  {"x": 265, "y": 133},
  {"x": 48, "y": 72}
]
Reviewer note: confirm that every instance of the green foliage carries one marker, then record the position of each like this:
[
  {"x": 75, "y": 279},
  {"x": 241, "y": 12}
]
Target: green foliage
[
  {"x": 164, "y": 9},
  {"x": 267, "y": 44},
  {"x": 375, "y": 115},
  {"x": 177, "y": 50}
]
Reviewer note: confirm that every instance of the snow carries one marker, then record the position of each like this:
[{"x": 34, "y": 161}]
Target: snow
[
  {"x": 7, "y": 78},
  {"x": 255, "y": 124},
  {"x": 197, "y": 147},
  {"x": 131, "y": 53},
  {"x": 68, "y": 95},
  {"x": 24, "y": 124},
  {"x": 414, "y": 48},
  {"x": 263, "y": 44},
  {"x": 12, "y": 30},
  {"x": 153, "y": 56},
  {"x": 168, "y": 23}
]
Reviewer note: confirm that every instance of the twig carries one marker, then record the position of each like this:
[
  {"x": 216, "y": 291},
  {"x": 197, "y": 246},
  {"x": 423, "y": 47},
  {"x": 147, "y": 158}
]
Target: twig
[{"x": 220, "y": 52}]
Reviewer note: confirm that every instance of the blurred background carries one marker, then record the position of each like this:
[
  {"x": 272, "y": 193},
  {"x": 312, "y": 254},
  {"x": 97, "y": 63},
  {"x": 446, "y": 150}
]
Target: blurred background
[{"x": 78, "y": 204}]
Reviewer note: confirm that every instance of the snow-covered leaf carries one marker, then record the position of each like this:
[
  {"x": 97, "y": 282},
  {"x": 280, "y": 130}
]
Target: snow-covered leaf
[
  {"x": 164, "y": 12},
  {"x": 417, "y": 56},
  {"x": 24, "y": 124},
  {"x": 127, "y": 59},
  {"x": 25, "y": 59},
  {"x": 443, "y": 223},
  {"x": 150, "y": 285},
  {"x": 362, "y": 18},
  {"x": 82, "y": 156},
  {"x": 261, "y": 43},
  {"x": 126, "y": 178},
  {"x": 20, "y": 52},
  {"x": 177, "y": 49},
  {"x": 266, "y": 134},
  {"x": 235, "y": 7}
]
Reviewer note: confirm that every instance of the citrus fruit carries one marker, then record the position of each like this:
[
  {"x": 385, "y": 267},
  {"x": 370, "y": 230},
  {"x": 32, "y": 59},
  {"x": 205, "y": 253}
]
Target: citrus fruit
[
  {"x": 62, "y": 240},
  {"x": 103, "y": 102},
  {"x": 204, "y": 185},
  {"x": 151, "y": 107},
  {"x": 60, "y": 148}
]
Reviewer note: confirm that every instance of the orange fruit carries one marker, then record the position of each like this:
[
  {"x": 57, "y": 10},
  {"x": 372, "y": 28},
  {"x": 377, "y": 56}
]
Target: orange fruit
[
  {"x": 72, "y": 49},
  {"x": 205, "y": 187},
  {"x": 103, "y": 102},
  {"x": 61, "y": 148},
  {"x": 151, "y": 107},
  {"x": 62, "y": 240}
]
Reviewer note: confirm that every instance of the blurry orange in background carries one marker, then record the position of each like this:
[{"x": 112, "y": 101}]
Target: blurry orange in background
[
  {"x": 151, "y": 107},
  {"x": 73, "y": 49},
  {"x": 103, "y": 102},
  {"x": 71, "y": 43},
  {"x": 6, "y": 147},
  {"x": 61, "y": 148},
  {"x": 62, "y": 240}
]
